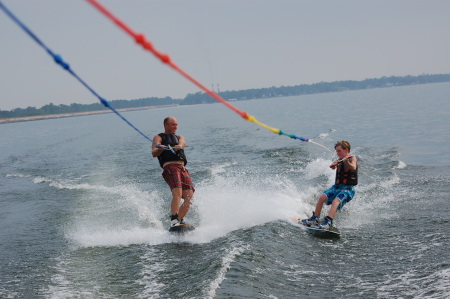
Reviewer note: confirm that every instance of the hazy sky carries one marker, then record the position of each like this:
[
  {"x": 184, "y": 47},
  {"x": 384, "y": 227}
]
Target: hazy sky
[{"x": 238, "y": 44}]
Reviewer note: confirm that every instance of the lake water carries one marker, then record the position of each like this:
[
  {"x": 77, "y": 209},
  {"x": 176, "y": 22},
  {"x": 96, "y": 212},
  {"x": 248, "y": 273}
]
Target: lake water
[{"x": 84, "y": 209}]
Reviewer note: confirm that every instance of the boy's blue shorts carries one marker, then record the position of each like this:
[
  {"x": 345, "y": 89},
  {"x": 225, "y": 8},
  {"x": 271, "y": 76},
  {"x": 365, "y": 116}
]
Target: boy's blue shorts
[{"x": 344, "y": 193}]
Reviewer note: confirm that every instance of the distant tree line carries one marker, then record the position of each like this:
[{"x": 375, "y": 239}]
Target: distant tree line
[
  {"x": 322, "y": 87},
  {"x": 76, "y": 108},
  {"x": 248, "y": 94}
]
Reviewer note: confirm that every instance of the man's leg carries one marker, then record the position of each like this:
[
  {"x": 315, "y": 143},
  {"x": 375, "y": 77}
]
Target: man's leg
[
  {"x": 176, "y": 200},
  {"x": 187, "y": 197}
]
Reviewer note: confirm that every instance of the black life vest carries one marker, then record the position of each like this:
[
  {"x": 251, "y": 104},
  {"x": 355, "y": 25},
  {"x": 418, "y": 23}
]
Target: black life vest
[
  {"x": 167, "y": 156},
  {"x": 346, "y": 176}
]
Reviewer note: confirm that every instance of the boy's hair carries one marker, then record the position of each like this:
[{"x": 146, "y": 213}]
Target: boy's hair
[{"x": 344, "y": 144}]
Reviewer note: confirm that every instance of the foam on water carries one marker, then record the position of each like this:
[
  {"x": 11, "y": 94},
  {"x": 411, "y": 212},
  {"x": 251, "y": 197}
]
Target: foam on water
[
  {"x": 317, "y": 168},
  {"x": 229, "y": 199},
  {"x": 326, "y": 135},
  {"x": 17, "y": 175},
  {"x": 415, "y": 285},
  {"x": 62, "y": 286},
  {"x": 226, "y": 201},
  {"x": 401, "y": 165},
  {"x": 243, "y": 198},
  {"x": 152, "y": 266},
  {"x": 226, "y": 262},
  {"x": 112, "y": 215}
]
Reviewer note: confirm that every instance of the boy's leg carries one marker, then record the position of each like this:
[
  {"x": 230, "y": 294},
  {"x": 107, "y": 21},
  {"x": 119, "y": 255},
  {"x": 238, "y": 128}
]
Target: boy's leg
[
  {"x": 322, "y": 199},
  {"x": 334, "y": 207}
]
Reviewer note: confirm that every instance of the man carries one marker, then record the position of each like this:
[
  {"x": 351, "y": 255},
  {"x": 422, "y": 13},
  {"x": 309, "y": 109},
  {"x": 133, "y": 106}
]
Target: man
[
  {"x": 343, "y": 189},
  {"x": 173, "y": 161}
]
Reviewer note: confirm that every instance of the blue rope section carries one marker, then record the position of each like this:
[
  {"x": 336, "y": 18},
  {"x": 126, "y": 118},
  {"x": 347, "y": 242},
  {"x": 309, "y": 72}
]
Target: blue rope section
[{"x": 59, "y": 60}]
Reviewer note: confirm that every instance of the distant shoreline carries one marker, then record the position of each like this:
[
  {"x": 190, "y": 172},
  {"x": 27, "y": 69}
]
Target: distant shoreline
[
  {"x": 51, "y": 111},
  {"x": 75, "y": 114}
]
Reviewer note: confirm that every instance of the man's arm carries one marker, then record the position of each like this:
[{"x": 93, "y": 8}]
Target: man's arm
[
  {"x": 181, "y": 142},
  {"x": 156, "y": 151}
]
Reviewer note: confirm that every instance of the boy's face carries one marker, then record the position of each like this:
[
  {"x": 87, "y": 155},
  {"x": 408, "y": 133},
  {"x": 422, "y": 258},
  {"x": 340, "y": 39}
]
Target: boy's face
[{"x": 341, "y": 153}]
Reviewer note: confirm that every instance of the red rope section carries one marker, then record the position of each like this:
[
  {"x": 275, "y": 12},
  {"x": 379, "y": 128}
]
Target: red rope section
[{"x": 165, "y": 58}]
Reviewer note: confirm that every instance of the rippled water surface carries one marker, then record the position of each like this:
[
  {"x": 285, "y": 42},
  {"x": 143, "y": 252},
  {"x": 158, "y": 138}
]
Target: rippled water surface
[{"x": 84, "y": 209}]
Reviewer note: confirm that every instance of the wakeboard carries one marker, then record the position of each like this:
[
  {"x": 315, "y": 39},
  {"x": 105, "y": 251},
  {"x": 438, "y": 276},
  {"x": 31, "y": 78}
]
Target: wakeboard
[
  {"x": 333, "y": 232},
  {"x": 182, "y": 228}
]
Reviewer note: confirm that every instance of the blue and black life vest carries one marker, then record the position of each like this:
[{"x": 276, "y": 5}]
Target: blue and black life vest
[
  {"x": 167, "y": 156},
  {"x": 345, "y": 176}
]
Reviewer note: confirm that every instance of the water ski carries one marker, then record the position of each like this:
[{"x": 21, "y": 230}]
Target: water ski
[
  {"x": 333, "y": 232},
  {"x": 182, "y": 228}
]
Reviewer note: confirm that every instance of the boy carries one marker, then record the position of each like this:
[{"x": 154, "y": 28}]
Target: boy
[{"x": 343, "y": 189}]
